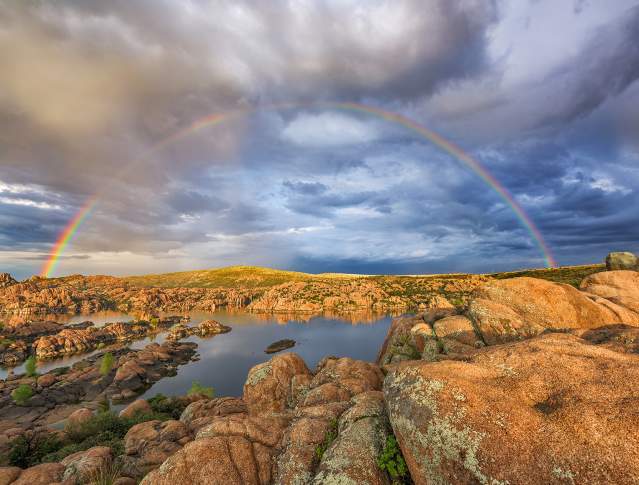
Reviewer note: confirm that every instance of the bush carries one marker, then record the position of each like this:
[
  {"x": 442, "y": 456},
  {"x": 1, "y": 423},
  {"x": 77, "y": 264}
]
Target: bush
[
  {"x": 30, "y": 366},
  {"x": 197, "y": 388},
  {"x": 392, "y": 462},
  {"x": 106, "y": 363},
  {"x": 106, "y": 475},
  {"x": 21, "y": 394},
  {"x": 103, "y": 429},
  {"x": 329, "y": 437},
  {"x": 26, "y": 452},
  {"x": 170, "y": 406}
]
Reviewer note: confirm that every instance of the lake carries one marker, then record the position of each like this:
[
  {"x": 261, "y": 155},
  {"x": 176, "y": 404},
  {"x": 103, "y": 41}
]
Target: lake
[{"x": 226, "y": 359}]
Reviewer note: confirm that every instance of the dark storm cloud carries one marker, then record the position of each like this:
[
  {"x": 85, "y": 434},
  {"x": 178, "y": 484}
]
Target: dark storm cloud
[
  {"x": 89, "y": 87},
  {"x": 605, "y": 67}
]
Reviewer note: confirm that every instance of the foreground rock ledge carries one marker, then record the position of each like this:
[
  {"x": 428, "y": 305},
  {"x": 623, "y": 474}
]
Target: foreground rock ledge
[{"x": 553, "y": 409}]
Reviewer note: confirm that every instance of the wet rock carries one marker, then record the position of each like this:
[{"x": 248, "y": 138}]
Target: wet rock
[
  {"x": 552, "y": 409},
  {"x": 83, "y": 465},
  {"x": 279, "y": 346},
  {"x": 268, "y": 385},
  {"x": 211, "y": 327},
  {"x": 622, "y": 261}
]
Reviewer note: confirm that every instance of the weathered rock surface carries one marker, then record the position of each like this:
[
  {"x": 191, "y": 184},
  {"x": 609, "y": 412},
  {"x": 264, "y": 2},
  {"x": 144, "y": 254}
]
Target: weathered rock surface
[
  {"x": 204, "y": 329},
  {"x": 517, "y": 308},
  {"x": 268, "y": 385},
  {"x": 200, "y": 413},
  {"x": 61, "y": 390},
  {"x": 553, "y": 409},
  {"x": 43, "y": 474},
  {"x": 82, "y": 466},
  {"x": 137, "y": 407},
  {"x": 619, "y": 287},
  {"x": 148, "y": 444},
  {"x": 280, "y": 345},
  {"x": 287, "y": 414},
  {"x": 622, "y": 261}
]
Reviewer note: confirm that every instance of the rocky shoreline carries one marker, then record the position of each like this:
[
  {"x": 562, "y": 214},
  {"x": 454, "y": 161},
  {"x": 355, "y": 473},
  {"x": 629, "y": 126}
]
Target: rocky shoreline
[
  {"x": 25, "y": 301},
  {"x": 528, "y": 382}
]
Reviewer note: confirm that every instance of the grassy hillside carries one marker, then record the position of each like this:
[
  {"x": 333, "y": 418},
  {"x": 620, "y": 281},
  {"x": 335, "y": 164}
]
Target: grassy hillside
[
  {"x": 571, "y": 275},
  {"x": 233, "y": 276},
  {"x": 254, "y": 277}
]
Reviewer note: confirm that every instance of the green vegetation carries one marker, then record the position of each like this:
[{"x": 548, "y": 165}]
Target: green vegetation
[
  {"x": 170, "y": 406},
  {"x": 30, "y": 366},
  {"x": 570, "y": 275},
  {"x": 393, "y": 463},
  {"x": 329, "y": 437},
  {"x": 26, "y": 452},
  {"x": 103, "y": 429},
  {"x": 106, "y": 475},
  {"x": 106, "y": 363},
  {"x": 197, "y": 388},
  {"x": 21, "y": 394}
]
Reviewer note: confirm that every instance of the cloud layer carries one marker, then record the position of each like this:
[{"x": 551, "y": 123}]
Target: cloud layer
[{"x": 540, "y": 92}]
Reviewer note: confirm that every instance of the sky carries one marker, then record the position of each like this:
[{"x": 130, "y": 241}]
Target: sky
[{"x": 96, "y": 101}]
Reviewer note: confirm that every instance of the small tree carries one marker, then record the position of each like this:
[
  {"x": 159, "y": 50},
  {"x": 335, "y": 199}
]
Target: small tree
[
  {"x": 30, "y": 366},
  {"x": 106, "y": 364},
  {"x": 197, "y": 388},
  {"x": 21, "y": 394}
]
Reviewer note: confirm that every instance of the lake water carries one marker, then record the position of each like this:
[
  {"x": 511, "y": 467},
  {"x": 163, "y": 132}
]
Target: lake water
[{"x": 226, "y": 359}]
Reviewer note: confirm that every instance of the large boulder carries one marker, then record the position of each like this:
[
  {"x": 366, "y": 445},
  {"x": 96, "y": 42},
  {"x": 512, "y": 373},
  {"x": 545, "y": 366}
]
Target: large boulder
[
  {"x": 137, "y": 407},
  {"x": 214, "y": 461},
  {"x": 621, "y": 261},
  {"x": 353, "y": 456},
  {"x": 9, "y": 474},
  {"x": 618, "y": 287},
  {"x": 517, "y": 308},
  {"x": 200, "y": 413},
  {"x": 552, "y": 409},
  {"x": 83, "y": 465},
  {"x": 147, "y": 445},
  {"x": 268, "y": 385},
  {"x": 43, "y": 474}
]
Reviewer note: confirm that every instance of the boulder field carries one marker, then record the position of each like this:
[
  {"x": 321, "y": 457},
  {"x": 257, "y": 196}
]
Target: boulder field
[{"x": 531, "y": 382}]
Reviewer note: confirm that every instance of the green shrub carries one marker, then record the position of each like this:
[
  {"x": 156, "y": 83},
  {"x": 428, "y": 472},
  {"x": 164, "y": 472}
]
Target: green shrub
[
  {"x": 197, "y": 388},
  {"x": 392, "y": 462},
  {"x": 21, "y": 394},
  {"x": 31, "y": 367},
  {"x": 329, "y": 437},
  {"x": 171, "y": 406},
  {"x": 26, "y": 452},
  {"x": 106, "y": 363}
]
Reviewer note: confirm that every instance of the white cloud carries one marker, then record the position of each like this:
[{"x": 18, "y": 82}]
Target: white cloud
[
  {"x": 328, "y": 129},
  {"x": 29, "y": 203}
]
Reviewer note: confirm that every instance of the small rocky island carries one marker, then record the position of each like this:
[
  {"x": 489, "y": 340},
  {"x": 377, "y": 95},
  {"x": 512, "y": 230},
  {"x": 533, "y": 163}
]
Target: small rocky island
[{"x": 528, "y": 381}]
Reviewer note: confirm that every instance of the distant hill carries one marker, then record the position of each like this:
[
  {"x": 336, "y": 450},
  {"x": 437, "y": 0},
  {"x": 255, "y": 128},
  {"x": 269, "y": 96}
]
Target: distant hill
[
  {"x": 232, "y": 276},
  {"x": 259, "y": 277}
]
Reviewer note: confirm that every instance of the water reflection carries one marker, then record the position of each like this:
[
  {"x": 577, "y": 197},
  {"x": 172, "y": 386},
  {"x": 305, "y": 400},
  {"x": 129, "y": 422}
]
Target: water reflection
[{"x": 226, "y": 359}]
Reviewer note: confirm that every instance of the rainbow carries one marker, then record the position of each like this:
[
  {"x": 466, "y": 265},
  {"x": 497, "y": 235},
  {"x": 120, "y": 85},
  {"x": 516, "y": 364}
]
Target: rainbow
[
  {"x": 388, "y": 116},
  {"x": 66, "y": 235}
]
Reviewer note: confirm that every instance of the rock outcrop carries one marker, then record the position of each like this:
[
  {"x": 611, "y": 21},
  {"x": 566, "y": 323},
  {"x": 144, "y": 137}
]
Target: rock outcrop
[
  {"x": 206, "y": 328},
  {"x": 622, "y": 261},
  {"x": 553, "y": 409},
  {"x": 272, "y": 435}
]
